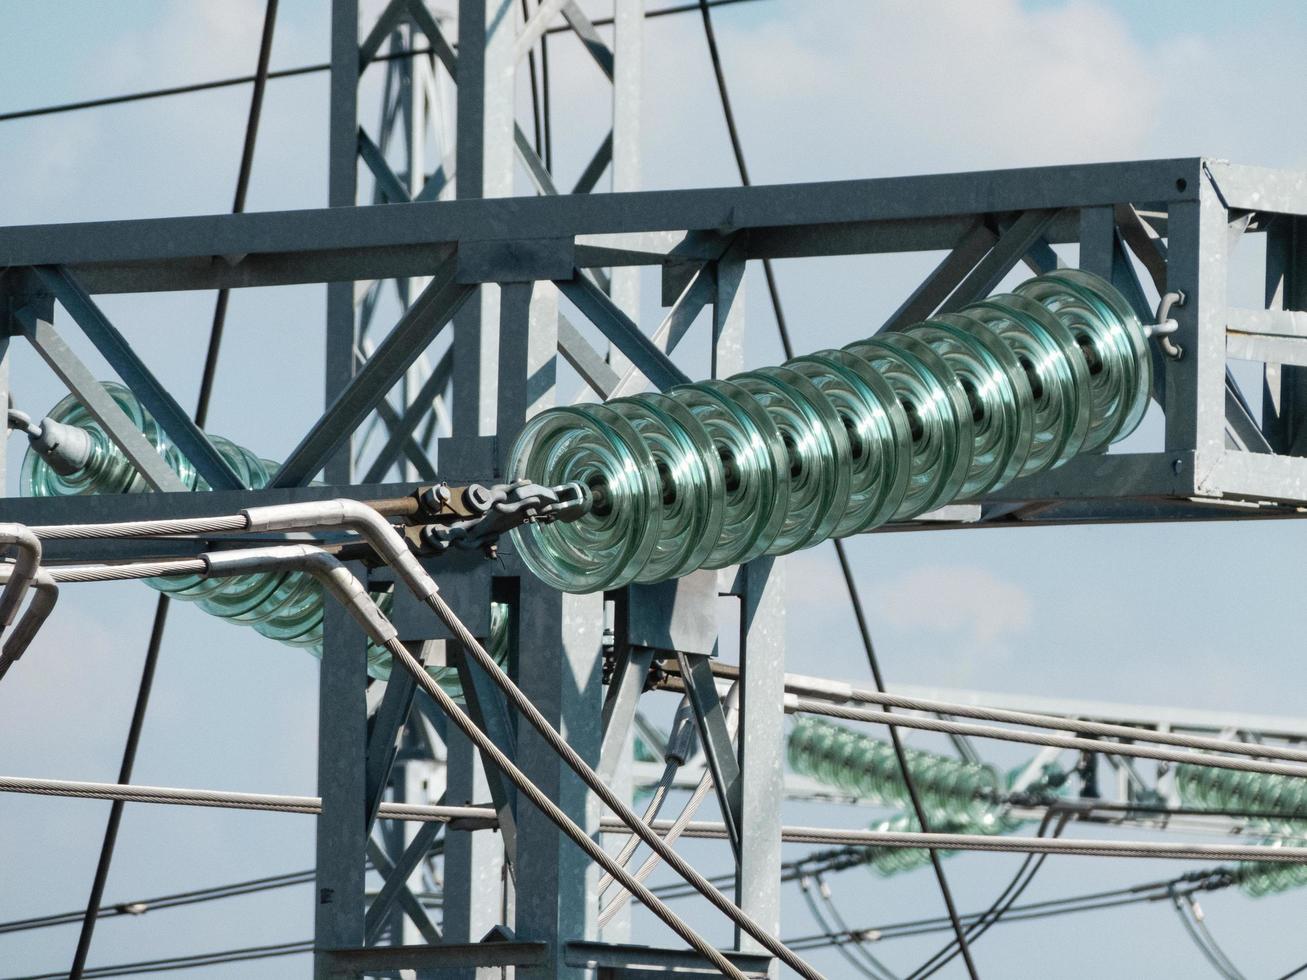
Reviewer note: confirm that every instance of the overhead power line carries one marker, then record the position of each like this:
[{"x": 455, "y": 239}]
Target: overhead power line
[
  {"x": 1151, "y": 891},
  {"x": 183, "y": 962},
  {"x": 188, "y": 89},
  {"x": 737, "y": 147},
  {"x": 161, "y": 608},
  {"x": 141, "y": 906},
  {"x": 1094, "y": 901}
]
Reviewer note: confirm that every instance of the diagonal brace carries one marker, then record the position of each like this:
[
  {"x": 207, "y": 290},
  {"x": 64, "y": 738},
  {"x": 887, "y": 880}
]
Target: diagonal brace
[
  {"x": 388, "y": 21},
  {"x": 585, "y": 30},
  {"x": 402, "y": 430},
  {"x": 419, "y": 325},
  {"x": 113, "y": 346},
  {"x": 723, "y": 761},
  {"x": 396, "y": 886},
  {"x": 926, "y": 298},
  {"x": 82, "y": 383},
  {"x": 383, "y": 737},
  {"x": 435, "y": 37},
  {"x": 489, "y": 709},
  {"x": 1010, "y": 249},
  {"x": 387, "y": 182},
  {"x": 622, "y": 331}
]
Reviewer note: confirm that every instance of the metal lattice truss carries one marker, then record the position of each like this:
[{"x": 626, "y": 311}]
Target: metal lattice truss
[
  {"x": 1177, "y": 220},
  {"x": 1183, "y": 217}
]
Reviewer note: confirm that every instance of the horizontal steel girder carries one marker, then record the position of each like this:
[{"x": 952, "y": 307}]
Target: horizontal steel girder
[{"x": 333, "y": 244}]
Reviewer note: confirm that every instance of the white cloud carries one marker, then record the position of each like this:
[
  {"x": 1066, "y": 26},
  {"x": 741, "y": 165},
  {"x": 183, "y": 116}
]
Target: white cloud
[{"x": 982, "y": 611}]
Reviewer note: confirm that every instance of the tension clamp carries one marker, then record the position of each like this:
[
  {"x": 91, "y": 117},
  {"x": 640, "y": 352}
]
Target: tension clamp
[{"x": 499, "y": 508}]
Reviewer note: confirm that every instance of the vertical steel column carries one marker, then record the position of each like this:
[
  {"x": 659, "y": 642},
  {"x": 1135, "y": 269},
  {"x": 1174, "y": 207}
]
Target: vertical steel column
[
  {"x": 342, "y": 837},
  {"x": 342, "y": 183},
  {"x": 486, "y": 32},
  {"x": 474, "y": 862},
  {"x": 1098, "y": 240},
  {"x": 9, "y": 300},
  {"x": 342, "y": 832},
  {"x": 473, "y": 889},
  {"x": 628, "y": 75},
  {"x": 760, "y": 736},
  {"x": 559, "y": 667},
  {"x": 561, "y": 671},
  {"x": 761, "y": 746},
  {"x": 1198, "y": 234},
  {"x": 1286, "y": 289}
]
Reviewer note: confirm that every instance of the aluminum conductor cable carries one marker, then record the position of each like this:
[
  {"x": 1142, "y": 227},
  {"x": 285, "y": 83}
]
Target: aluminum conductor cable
[
  {"x": 143, "y": 529},
  {"x": 816, "y": 687},
  {"x": 394, "y": 549},
  {"x": 609, "y": 798},
  {"x": 691, "y": 807},
  {"x": 45, "y": 595},
  {"x": 679, "y": 748},
  {"x": 24, "y": 571},
  {"x": 551, "y": 810},
  {"x": 346, "y": 588},
  {"x": 1038, "y": 738}
]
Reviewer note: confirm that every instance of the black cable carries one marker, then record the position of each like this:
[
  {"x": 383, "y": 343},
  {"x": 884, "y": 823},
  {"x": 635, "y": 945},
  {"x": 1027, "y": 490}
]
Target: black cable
[
  {"x": 1201, "y": 925},
  {"x": 737, "y": 148},
  {"x": 293, "y": 72},
  {"x": 805, "y": 889},
  {"x": 1293, "y": 973},
  {"x": 110, "y": 840},
  {"x": 535, "y": 90},
  {"x": 934, "y": 962},
  {"x": 184, "y": 962},
  {"x": 1151, "y": 891},
  {"x": 238, "y": 205},
  {"x": 918, "y": 809},
  {"x": 546, "y": 115},
  {"x": 159, "y": 902},
  {"x": 856, "y": 940},
  {"x": 1000, "y": 906},
  {"x": 1017, "y": 915},
  {"x": 124, "y": 776}
]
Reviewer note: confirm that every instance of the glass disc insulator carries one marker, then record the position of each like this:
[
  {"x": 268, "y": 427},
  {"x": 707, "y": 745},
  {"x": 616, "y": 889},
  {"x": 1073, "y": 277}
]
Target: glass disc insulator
[
  {"x": 999, "y": 396},
  {"x": 936, "y": 434},
  {"x": 1055, "y": 371},
  {"x": 598, "y": 448},
  {"x": 108, "y": 470},
  {"x": 692, "y": 496},
  {"x": 817, "y": 449},
  {"x": 877, "y": 430},
  {"x": 755, "y": 469},
  {"x": 1113, "y": 343}
]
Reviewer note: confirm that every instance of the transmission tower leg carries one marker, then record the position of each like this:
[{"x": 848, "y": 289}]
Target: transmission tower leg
[
  {"x": 486, "y": 32},
  {"x": 342, "y": 833},
  {"x": 556, "y": 882},
  {"x": 628, "y": 74},
  {"x": 474, "y": 860},
  {"x": 342, "y": 186},
  {"x": 761, "y": 588}
]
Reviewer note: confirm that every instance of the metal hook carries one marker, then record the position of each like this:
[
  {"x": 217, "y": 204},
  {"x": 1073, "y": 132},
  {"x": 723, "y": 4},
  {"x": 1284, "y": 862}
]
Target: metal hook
[{"x": 1165, "y": 326}]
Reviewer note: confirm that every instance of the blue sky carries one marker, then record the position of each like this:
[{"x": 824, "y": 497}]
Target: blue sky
[{"x": 1203, "y": 616}]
